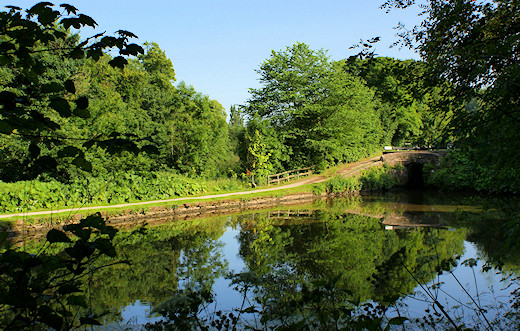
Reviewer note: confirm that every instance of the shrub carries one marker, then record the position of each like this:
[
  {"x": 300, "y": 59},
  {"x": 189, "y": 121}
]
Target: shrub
[
  {"x": 339, "y": 184},
  {"x": 130, "y": 186},
  {"x": 380, "y": 178}
]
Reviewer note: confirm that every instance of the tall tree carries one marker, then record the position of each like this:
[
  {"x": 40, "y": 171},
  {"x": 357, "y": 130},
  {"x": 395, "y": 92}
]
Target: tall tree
[
  {"x": 474, "y": 45},
  {"x": 407, "y": 104},
  {"x": 323, "y": 114},
  {"x": 35, "y": 98}
]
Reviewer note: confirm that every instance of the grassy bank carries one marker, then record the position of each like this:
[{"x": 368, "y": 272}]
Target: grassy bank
[
  {"x": 146, "y": 206},
  {"x": 91, "y": 191},
  {"x": 144, "y": 193},
  {"x": 372, "y": 179}
]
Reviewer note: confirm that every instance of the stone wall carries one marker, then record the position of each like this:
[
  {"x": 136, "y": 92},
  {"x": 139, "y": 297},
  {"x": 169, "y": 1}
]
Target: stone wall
[{"x": 128, "y": 219}]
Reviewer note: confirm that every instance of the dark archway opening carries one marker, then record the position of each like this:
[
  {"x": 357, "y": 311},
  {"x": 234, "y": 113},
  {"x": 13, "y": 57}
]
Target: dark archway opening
[{"x": 415, "y": 175}]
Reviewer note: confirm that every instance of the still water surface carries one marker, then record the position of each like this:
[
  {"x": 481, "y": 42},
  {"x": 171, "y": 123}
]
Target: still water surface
[{"x": 420, "y": 255}]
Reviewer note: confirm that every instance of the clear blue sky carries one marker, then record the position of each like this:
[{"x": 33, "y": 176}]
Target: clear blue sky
[{"x": 217, "y": 45}]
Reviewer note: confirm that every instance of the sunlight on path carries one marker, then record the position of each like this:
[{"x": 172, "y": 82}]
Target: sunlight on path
[{"x": 348, "y": 170}]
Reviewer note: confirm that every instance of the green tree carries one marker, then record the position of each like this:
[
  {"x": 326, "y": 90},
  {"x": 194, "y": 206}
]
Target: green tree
[
  {"x": 407, "y": 105},
  {"x": 199, "y": 133},
  {"x": 323, "y": 114},
  {"x": 237, "y": 141},
  {"x": 35, "y": 97},
  {"x": 263, "y": 150},
  {"x": 474, "y": 46}
]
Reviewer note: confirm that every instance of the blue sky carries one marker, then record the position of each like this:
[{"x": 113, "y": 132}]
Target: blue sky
[{"x": 217, "y": 45}]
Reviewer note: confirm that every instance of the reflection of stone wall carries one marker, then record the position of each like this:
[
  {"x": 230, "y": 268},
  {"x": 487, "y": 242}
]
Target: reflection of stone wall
[
  {"x": 208, "y": 208},
  {"x": 415, "y": 220}
]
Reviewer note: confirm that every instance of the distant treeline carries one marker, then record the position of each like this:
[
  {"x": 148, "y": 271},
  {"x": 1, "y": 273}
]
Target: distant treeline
[{"x": 309, "y": 111}]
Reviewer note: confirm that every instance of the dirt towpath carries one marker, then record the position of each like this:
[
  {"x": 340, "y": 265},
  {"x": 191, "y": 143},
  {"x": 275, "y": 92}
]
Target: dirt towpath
[{"x": 346, "y": 170}]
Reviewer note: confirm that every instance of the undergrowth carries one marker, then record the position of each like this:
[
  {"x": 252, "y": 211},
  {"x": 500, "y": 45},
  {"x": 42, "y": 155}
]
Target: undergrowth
[
  {"x": 126, "y": 187},
  {"x": 380, "y": 178}
]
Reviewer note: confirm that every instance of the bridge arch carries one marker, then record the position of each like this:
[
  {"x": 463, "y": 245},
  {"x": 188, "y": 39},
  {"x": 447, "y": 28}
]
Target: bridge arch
[{"x": 414, "y": 162}]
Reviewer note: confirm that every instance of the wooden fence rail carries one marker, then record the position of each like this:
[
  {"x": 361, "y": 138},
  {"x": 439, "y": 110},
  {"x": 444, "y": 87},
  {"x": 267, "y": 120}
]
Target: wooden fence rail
[
  {"x": 289, "y": 213},
  {"x": 288, "y": 175}
]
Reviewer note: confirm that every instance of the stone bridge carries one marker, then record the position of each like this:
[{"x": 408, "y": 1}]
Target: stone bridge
[
  {"x": 407, "y": 158},
  {"x": 414, "y": 162}
]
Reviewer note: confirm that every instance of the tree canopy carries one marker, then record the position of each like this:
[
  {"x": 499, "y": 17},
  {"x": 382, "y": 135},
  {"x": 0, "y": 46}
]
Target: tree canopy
[
  {"x": 474, "y": 46},
  {"x": 322, "y": 114}
]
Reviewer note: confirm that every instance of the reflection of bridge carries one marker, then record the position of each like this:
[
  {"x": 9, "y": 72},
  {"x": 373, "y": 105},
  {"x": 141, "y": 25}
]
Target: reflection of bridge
[{"x": 390, "y": 221}]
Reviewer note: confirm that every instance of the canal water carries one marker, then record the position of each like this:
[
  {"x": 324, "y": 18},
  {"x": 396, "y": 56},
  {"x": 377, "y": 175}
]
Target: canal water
[{"x": 415, "y": 259}]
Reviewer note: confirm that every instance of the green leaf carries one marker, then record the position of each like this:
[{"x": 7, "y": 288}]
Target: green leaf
[
  {"x": 5, "y": 127},
  {"x": 70, "y": 151},
  {"x": 52, "y": 320},
  {"x": 77, "y": 300},
  {"x": 88, "y": 144},
  {"x": 81, "y": 113},
  {"x": 71, "y": 21},
  {"x": 94, "y": 54},
  {"x": 150, "y": 149},
  {"x": 69, "y": 86},
  {"x": 57, "y": 236},
  {"x": 126, "y": 34},
  {"x": 118, "y": 62},
  {"x": 77, "y": 53},
  {"x": 89, "y": 321},
  {"x": 45, "y": 163},
  {"x": 249, "y": 310},
  {"x": 109, "y": 41},
  {"x": 51, "y": 87},
  {"x": 80, "y": 250},
  {"x": 83, "y": 164},
  {"x": 132, "y": 49},
  {"x": 395, "y": 321},
  {"x": 34, "y": 150},
  {"x": 69, "y": 9},
  {"x": 68, "y": 288},
  {"x": 105, "y": 247},
  {"x": 82, "y": 103},
  {"x": 61, "y": 106},
  {"x": 87, "y": 20}
]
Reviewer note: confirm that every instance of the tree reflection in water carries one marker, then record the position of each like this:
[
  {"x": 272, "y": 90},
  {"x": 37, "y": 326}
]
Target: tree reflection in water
[
  {"x": 318, "y": 273},
  {"x": 326, "y": 269}
]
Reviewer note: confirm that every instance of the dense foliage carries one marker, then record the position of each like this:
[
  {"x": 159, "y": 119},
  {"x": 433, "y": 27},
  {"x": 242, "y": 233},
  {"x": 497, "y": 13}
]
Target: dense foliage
[
  {"x": 100, "y": 120},
  {"x": 139, "y": 102},
  {"x": 373, "y": 179},
  {"x": 41, "y": 86},
  {"x": 412, "y": 109},
  {"x": 43, "y": 289},
  {"x": 474, "y": 45},
  {"x": 117, "y": 188},
  {"x": 75, "y": 117},
  {"x": 310, "y": 111}
]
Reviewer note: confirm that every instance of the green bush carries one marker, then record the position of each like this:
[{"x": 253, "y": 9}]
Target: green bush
[
  {"x": 339, "y": 184},
  {"x": 380, "y": 178},
  {"x": 461, "y": 171},
  {"x": 125, "y": 187}
]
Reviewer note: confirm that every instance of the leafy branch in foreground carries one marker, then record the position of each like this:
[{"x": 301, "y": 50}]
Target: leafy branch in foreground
[
  {"x": 48, "y": 289},
  {"x": 34, "y": 98}
]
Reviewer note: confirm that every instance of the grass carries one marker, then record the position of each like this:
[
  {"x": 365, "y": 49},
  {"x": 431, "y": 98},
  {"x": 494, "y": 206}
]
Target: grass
[
  {"x": 127, "y": 208},
  {"x": 146, "y": 207}
]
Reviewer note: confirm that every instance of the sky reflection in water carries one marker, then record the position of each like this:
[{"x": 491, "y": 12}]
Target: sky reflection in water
[{"x": 491, "y": 290}]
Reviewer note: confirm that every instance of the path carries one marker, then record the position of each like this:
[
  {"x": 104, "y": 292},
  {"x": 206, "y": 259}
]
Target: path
[{"x": 347, "y": 170}]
